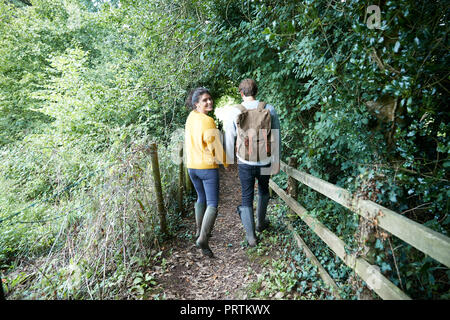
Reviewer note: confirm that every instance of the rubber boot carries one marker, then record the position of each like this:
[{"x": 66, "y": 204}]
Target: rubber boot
[
  {"x": 199, "y": 208},
  {"x": 207, "y": 224},
  {"x": 246, "y": 214},
  {"x": 261, "y": 222}
]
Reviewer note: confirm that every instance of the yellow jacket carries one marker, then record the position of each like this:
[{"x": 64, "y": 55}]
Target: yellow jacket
[{"x": 202, "y": 142}]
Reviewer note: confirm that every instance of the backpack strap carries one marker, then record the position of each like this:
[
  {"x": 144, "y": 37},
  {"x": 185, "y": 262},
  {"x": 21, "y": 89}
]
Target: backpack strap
[
  {"x": 240, "y": 107},
  {"x": 261, "y": 106}
]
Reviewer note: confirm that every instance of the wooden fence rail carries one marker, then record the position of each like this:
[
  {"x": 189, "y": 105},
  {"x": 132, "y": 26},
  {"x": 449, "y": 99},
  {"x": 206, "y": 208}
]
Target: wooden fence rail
[
  {"x": 426, "y": 240},
  {"x": 322, "y": 272},
  {"x": 374, "y": 279},
  {"x": 430, "y": 242}
]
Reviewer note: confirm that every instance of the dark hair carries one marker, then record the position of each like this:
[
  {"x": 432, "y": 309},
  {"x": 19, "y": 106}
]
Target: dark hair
[
  {"x": 194, "y": 96},
  {"x": 248, "y": 87}
]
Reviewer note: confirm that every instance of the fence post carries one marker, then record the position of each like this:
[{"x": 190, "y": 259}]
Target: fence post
[
  {"x": 292, "y": 188},
  {"x": 158, "y": 188},
  {"x": 181, "y": 181}
]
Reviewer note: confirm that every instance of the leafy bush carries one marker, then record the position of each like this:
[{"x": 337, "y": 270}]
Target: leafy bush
[{"x": 363, "y": 108}]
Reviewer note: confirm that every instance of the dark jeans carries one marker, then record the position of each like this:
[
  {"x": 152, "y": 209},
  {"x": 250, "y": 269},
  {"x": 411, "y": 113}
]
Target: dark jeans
[
  {"x": 247, "y": 175},
  {"x": 206, "y": 183}
]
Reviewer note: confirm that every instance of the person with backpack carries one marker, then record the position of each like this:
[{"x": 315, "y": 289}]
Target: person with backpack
[
  {"x": 254, "y": 133},
  {"x": 204, "y": 151}
]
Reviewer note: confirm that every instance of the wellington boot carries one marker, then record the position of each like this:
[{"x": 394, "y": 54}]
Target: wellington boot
[
  {"x": 261, "y": 222},
  {"x": 209, "y": 219},
  {"x": 247, "y": 218},
  {"x": 199, "y": 208}
]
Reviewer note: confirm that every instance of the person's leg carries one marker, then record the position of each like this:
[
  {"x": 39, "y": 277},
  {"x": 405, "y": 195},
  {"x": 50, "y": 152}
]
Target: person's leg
[
  {"x": 200, "y": 205},
  {"x": 247, "y": 178},
  {"x": 198, "y": 184},
  {"x": 210, "y": 180},
  {"x": 263, "y": 181},
  {"x": 263, "y": 200},
  {"x": 245, "y": 210}
]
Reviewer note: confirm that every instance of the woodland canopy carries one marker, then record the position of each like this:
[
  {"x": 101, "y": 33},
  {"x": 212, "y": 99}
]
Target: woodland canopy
[{"x": 85, "y": 83}]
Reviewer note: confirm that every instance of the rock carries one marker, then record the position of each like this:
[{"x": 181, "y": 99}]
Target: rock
[{"x": 279, "y": 295}]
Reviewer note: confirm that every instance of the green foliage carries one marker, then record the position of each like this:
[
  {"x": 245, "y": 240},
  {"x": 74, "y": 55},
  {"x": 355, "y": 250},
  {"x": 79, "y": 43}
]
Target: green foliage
[
  {"x": 292, "y": 275},
  {"x": 82, "y": 81},
  {"x": 366, "y": 109},
  {"x": 84, "y": 89}
]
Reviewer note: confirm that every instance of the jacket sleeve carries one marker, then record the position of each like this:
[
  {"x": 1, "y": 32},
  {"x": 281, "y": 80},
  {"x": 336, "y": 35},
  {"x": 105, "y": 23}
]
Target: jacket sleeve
[{"x": 211, "y": 137}]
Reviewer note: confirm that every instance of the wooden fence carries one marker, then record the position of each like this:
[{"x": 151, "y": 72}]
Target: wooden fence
[
  {"x": 430, "y": 242},
  {"x": 424, "y": 239},
  {"x": 184, "y": 184}
]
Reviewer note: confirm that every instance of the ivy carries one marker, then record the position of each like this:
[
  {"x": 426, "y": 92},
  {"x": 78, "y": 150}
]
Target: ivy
[{"x": 329, "y": 75}]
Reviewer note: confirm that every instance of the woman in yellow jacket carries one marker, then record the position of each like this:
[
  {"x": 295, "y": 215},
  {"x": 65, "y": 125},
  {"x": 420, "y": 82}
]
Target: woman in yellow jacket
[{"x": 204, "y": 152}]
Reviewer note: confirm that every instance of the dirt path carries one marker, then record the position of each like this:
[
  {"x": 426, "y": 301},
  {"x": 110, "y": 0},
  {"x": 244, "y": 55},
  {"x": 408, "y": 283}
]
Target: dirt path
[{"x": 190, "y": 275}]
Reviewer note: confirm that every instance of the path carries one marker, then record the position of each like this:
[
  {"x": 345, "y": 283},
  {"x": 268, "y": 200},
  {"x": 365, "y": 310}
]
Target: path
[{"x": 190, "y": 275}]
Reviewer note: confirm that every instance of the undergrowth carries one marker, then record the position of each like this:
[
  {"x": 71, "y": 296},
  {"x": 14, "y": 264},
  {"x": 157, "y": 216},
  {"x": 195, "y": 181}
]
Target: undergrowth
[
  {"x": 287, "y": 272},
  {"x": 107, "y": 232}
]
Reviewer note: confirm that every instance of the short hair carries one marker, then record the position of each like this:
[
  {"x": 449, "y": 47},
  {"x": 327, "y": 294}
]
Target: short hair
[{"x": 248, "y": 87}]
